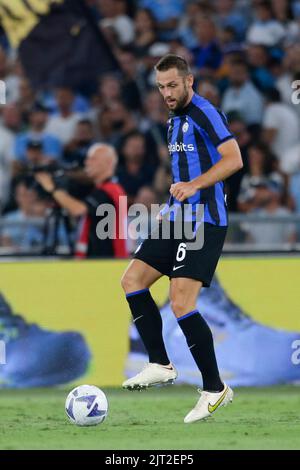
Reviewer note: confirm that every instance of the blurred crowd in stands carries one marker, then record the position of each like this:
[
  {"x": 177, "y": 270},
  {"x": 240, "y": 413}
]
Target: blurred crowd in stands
[{"x": 245, "y": 56}]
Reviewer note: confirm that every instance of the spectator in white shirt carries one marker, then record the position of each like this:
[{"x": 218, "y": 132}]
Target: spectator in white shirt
[
  {"x": 290, "y": 162},
  {"x": 242, "y": 96},
  {"x": 266, "y": 30},
  {"x": 114, "y": 17},
  {"x": 63, "y": 124},
  {"x": 281, "y": 125},
  {"x": 289, "y": 72}
]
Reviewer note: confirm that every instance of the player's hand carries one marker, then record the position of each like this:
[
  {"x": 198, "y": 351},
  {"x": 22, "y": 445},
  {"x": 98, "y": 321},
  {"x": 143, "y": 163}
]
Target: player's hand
[
  {"x": 45, "y": 180},
  {"x": 182, "y": 191}
]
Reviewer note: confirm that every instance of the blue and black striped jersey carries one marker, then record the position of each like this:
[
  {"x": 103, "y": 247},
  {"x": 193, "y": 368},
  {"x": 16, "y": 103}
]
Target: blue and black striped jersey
[{"x": 194, "y": 134}]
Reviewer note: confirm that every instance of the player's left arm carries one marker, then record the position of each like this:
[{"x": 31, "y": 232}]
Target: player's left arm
[
  {"x": 230, "y": 162},
  {"x": 214, "y": 123}
]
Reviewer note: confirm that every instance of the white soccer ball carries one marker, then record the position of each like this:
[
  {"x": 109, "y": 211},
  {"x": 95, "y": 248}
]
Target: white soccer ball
[{"x": 86, "y": 405}]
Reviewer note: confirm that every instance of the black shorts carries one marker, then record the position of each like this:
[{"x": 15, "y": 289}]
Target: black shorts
[{"x": 173, "y": 258}]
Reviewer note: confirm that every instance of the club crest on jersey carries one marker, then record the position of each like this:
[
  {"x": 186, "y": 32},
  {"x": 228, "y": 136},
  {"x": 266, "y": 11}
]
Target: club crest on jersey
[{"x": 185, "y": 127}]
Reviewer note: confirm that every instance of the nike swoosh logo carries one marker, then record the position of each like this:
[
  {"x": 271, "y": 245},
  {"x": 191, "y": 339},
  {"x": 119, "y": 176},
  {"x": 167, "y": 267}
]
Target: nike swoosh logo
[
  {"x": 141, "y": 316},
  {"x": 177, "y": 267},
  {"x": 212, "y": 408}
]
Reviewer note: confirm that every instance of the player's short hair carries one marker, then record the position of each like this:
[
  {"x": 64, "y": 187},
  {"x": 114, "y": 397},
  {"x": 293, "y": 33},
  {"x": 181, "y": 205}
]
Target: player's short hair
[{"x": 173, "y": 61}]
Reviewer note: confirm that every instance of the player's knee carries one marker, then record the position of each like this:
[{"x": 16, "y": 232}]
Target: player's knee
[
  {"x": 130, "y": 282},
  {"x": 178, "y": 306},
  {"x": 126, "y": 282}
]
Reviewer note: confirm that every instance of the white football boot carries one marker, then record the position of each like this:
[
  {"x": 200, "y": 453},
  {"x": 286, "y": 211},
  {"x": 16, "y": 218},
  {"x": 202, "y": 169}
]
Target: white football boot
[
  {"x": 152, "y": 374},
  {"x": 208, "y": 403}
]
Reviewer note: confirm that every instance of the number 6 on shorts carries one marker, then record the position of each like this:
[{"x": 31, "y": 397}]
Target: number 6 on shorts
[{"x": 181, "y": 252}]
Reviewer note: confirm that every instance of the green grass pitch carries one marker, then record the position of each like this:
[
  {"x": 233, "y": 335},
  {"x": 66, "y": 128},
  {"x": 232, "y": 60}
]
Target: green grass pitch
[{"x": 263, "y": 418}]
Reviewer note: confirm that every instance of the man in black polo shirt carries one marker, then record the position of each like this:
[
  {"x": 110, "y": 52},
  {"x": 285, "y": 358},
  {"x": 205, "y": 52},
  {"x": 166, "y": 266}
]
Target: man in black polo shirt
[{"x": 100, "y": 166}]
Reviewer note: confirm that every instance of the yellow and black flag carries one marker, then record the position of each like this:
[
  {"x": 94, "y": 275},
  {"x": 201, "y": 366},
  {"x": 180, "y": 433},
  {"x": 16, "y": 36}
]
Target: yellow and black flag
[{"x": 59, "y": 42}]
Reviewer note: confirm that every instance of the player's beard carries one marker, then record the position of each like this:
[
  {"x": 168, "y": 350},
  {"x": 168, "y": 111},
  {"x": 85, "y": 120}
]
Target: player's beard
[{"x": 181, "y": 101}]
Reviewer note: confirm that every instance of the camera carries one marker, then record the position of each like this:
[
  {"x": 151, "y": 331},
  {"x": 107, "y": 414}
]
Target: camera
[{"x": 59, "y": 172}]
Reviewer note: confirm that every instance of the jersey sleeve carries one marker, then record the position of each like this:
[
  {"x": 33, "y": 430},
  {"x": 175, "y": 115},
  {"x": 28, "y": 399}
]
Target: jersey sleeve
[{"x": 214, "y": 123}]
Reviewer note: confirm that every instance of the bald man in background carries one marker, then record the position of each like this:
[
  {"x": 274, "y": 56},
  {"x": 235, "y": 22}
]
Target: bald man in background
[{"x": 100, "y": 166}]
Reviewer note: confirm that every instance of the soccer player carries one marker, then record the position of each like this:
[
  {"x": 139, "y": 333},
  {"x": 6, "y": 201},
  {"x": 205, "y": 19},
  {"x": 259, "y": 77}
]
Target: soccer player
[{"x": 203, "y": 154}]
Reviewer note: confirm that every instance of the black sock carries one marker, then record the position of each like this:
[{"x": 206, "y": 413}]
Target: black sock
[
  {"x": 200, "y": 341},
  {"x": 148, "y": 322}
]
